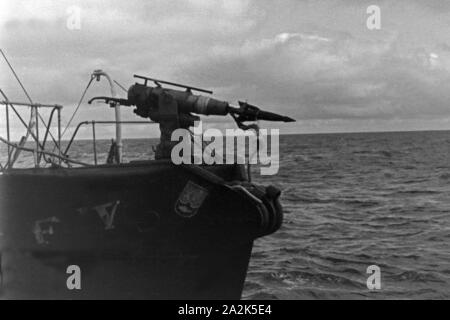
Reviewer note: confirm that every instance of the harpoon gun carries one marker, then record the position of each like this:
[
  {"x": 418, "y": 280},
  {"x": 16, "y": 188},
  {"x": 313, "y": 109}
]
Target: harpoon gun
[{"x": 162, "y": 104}]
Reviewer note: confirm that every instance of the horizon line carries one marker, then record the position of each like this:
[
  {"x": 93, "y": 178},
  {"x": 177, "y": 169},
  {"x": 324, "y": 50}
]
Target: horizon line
[
  {"x": 296, "y": 133},
  {"x": 281, "y": 134}
]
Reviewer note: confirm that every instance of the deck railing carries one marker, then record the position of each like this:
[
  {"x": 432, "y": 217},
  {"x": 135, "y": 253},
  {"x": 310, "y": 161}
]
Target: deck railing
[
  {"x": 93, "y": 123},
  {"x": 33, "y": 130},
  {"x": 57, "y": 156}
]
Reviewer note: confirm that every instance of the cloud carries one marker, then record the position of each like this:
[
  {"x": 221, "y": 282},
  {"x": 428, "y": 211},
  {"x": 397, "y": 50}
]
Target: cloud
[
  {"x": 337, "y": 76},
  {"x": 315, "y": 61}
]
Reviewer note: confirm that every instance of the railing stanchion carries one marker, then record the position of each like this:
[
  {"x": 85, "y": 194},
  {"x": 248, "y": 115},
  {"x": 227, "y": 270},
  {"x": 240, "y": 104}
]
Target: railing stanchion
[
  {"x": 94, "y": 142},
  {"x": 8, "y": 137},
  {"x": 47, "y": 132},
  {"x": 59, "y": 135},
  {"x": 37, "y": 136}
]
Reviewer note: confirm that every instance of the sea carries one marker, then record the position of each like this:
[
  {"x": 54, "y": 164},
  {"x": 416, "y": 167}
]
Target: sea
[{"x": 351, "y": 201}]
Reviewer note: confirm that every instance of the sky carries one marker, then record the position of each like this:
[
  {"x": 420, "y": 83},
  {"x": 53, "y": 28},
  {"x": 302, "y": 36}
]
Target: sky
[{"x": 315, "y": 61}]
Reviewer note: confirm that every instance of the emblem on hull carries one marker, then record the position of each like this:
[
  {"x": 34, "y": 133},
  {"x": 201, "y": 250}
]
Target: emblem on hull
[
  {"x": 190, "y": 200},
  {"x": 44, "y": 228},
  {"x": 107, "y": 216}
]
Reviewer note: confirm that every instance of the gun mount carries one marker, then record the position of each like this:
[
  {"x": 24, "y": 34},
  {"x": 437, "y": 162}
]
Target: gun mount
[{"x": 174, "y": 109}]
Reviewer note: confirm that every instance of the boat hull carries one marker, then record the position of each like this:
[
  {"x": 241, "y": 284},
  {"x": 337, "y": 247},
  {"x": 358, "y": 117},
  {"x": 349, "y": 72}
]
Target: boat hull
[{"x": 147, "y": 230}]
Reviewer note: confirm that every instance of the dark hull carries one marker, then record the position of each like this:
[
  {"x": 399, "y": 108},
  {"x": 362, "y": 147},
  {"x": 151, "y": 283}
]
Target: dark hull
[{"x": 144, "y": 230}]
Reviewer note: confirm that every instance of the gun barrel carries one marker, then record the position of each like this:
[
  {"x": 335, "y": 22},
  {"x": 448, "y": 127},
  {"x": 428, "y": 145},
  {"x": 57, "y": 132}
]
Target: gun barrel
[
  {"x": 248, "y": 112},
  {"x": 270, "y": 116},
  {"x": 149, "y": 99}
]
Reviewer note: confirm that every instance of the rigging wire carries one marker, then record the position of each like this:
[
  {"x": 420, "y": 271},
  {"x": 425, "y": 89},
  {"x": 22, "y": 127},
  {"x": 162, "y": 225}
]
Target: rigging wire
[
  {"x": 32, "y": 116},
  {"x": 78, "y": 106},
  {"x": 121, "y": 86},
  {"x": 15, "y": 75},
  {"x": 81, "y": 100}
]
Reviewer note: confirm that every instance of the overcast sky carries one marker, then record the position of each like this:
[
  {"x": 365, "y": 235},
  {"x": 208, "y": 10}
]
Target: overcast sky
[{"x": 315, "y": 61}]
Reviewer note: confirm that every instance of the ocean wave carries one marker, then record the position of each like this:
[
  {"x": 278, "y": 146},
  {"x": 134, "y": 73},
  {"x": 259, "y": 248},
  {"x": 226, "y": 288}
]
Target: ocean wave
[{"x": 350, "y": 201}]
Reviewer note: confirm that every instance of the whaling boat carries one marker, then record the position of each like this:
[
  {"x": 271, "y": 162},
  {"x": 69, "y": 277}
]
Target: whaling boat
[{"x": 139, "y": 230}]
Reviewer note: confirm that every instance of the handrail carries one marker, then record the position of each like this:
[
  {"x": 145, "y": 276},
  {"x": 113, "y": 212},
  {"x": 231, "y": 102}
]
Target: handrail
[
  {"x": 62, "y": 157},
  {"x": 40, "y": 147},
  {"x": 39, "y": 151},
  {"x": 93, "y": 123},
  {"x": 26, "y": 104},
  {"x": 50, "y": 118},
  {"x": 73, "y": 136}
]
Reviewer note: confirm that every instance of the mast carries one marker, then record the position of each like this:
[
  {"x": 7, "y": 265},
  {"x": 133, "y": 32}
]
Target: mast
[{"x": 98, "y": 74}]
